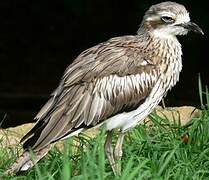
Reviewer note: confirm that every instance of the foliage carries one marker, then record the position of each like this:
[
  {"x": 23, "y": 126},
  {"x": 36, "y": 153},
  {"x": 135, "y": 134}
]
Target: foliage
[{"x": 150, "y": 152}]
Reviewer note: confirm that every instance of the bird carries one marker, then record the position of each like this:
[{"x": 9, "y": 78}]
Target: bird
[{"x": 115, "y": 84}]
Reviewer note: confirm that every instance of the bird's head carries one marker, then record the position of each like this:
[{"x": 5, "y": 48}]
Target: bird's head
[{"x": 168, "y": 19}]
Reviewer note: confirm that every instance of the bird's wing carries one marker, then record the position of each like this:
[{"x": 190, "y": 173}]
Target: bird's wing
[{"x": 104, "y": 80}]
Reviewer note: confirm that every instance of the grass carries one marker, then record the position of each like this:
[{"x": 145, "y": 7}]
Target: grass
[{"x": 156, "y": 152}]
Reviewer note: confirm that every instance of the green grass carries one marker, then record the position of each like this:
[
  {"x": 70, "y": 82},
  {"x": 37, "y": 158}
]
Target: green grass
[{"x": 155, "y": 152}]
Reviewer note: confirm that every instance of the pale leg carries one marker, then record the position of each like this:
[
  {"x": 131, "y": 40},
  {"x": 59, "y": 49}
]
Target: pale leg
[
  {"x": 118, "y": 152},
  {"x": 109, "y": 151},
  {"x": 163, "y": 103}
]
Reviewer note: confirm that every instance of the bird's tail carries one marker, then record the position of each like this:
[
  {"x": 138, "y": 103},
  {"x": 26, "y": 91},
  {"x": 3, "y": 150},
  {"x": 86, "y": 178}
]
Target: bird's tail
[{"x": 27, "y": 160}]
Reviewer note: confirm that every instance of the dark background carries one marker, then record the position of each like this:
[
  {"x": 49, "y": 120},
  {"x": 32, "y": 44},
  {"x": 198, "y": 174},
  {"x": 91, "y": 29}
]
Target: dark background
[{"x": 39, "y": 39}]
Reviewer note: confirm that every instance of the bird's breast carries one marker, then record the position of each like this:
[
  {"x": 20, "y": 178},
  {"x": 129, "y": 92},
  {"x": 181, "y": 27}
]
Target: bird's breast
[{"x": 171, "y": 67}]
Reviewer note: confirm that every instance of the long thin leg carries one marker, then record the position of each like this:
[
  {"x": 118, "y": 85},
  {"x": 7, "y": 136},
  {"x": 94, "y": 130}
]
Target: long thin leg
[
  {"x": 163, "y": 103},
  {"x": 109, "y": 151},
  {"x": 118, "y": 152}
]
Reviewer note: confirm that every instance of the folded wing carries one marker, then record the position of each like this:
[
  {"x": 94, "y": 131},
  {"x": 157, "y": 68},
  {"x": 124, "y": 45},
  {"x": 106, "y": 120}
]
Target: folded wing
[{"x": 103, "y": 81}]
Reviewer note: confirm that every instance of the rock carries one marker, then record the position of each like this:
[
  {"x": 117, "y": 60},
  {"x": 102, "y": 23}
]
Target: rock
[
  {"x": 184, "y": 114},
  {"x": 11, "y": 136}
]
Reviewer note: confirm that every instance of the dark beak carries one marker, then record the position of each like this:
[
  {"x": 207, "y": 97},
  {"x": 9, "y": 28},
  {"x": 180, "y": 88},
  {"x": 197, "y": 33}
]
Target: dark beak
[{"x": 193, "y": 27}]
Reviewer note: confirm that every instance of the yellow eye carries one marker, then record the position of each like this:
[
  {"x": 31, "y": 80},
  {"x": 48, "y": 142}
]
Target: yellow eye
[{"x": 167, "y": 19}]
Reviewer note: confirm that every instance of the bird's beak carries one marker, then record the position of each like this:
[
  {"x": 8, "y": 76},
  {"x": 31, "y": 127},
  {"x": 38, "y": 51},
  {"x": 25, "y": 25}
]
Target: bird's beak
[{"x": 193, "y": 27}]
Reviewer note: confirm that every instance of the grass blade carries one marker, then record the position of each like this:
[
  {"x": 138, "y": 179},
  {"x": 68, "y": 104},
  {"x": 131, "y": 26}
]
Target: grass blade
[
  {"x": 200, "y": 90},
  {"x": 167, "y": 160}
]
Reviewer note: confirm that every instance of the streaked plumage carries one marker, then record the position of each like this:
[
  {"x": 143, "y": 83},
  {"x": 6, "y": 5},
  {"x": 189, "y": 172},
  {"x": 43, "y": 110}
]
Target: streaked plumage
[{"x": 118, "y": 82}]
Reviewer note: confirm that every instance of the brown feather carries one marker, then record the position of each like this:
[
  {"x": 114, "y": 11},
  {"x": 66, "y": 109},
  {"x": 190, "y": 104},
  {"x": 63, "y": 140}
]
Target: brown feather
[{"x": 101, "y": 82}]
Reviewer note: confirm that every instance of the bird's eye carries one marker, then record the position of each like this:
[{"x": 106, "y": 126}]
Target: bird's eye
[{"x": 167, "y": 19}]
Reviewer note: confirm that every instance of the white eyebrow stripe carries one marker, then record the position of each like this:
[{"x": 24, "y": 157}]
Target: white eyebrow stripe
[
  {"x": 152, "y": 18},
  {"x": 166, "y": 13}
]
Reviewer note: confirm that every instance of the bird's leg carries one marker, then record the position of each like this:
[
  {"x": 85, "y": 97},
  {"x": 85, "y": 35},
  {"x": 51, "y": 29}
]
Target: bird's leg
[
  {"x": 109, "y": 151},
  {"x": 118, "y": 152},
  {"x": 163, "y": 103}
]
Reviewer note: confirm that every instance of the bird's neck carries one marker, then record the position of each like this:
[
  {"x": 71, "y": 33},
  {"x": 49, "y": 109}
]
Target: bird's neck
[
  {"x": 170, "y": 54},
  {"x": 156, "y": 34},
  {"x": 159, "y": 34},
  {"x": 159, "y": 46},
  {"x": 165, "y": 53}
]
